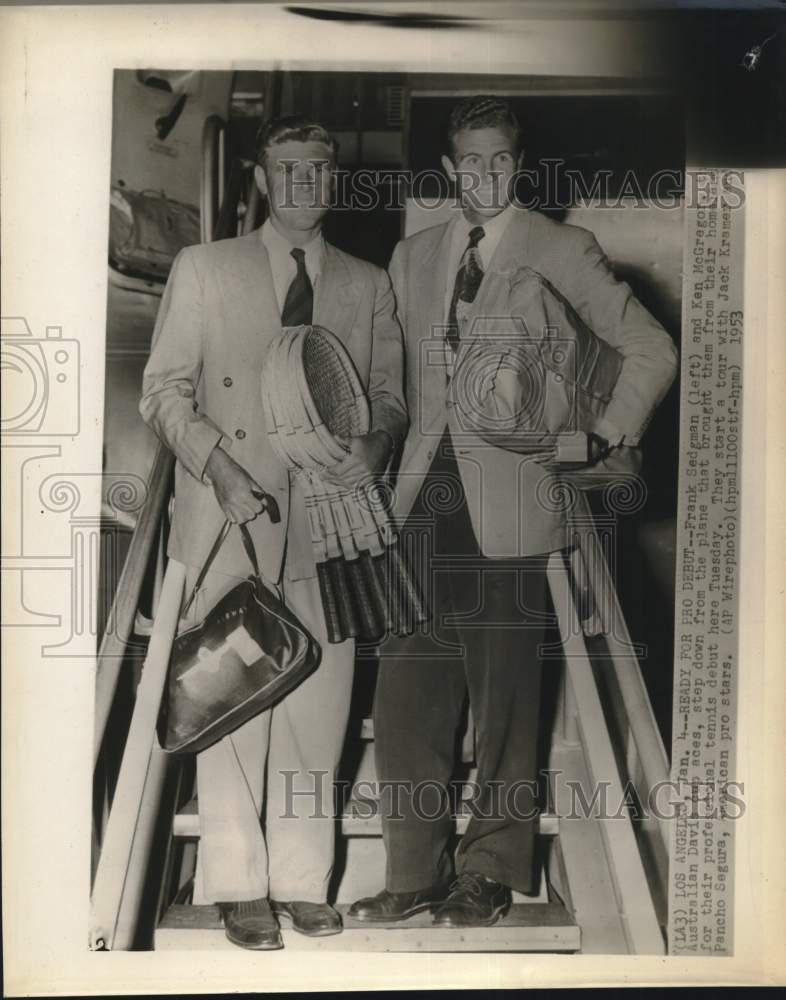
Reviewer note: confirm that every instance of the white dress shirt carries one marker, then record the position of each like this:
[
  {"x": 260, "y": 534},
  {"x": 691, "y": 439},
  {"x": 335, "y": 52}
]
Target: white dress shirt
[
  {"x": 493, "y": 228},
  {"x": 282, "y": 263}
]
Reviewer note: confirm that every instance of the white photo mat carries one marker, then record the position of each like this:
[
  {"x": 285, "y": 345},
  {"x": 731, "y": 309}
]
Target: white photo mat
[{"x": 56, "y": 73}]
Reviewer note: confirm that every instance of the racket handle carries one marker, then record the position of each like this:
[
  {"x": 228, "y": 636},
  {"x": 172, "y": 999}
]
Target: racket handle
[
  {"x": 370, "y": 625},
  {"x": 376, "y": 589},
  {"x": 392, "y": 590},
  {"x": 329, "y": 605},
  {"x": 417, "y": 611},
  {"x": 347, "y": 616}
]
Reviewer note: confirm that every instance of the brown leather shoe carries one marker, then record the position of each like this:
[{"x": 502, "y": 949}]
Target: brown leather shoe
[
  {"x": 251, "y": 925},
  {"x": 312, "y": 919},
  {"x": 474, "y": 901},
  {"x": 392, "y": 906}
]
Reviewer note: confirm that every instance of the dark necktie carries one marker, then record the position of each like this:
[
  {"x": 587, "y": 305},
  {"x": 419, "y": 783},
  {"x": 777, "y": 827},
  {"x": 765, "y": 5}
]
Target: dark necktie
[
  {"x": 299, "y": 305},
  {"x": 468, "y": 279}
]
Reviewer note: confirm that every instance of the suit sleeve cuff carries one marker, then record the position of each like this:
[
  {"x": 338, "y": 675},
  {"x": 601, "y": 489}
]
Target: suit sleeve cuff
[
  {"x": 610, "y": 432},
  {"x": 203, "y": 438}
]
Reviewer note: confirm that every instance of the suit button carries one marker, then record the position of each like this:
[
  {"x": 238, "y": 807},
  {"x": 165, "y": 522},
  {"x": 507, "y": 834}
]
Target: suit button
[
  {"x": 240, "y": 434},
  {"x": 227, "y": 381}
]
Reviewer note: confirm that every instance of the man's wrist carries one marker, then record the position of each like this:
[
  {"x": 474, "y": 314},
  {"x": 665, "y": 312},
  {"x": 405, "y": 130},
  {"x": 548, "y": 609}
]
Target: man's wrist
[{"x": 214, "y": 461}]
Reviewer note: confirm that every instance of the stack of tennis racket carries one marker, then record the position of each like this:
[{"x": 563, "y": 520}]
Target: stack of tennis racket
[{"x": 312, "y": 397}]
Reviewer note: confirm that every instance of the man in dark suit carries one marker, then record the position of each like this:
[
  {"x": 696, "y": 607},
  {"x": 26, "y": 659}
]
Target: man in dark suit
[
  {"x": 489, "y": 530},
  {"x": 224, "y": 304}
]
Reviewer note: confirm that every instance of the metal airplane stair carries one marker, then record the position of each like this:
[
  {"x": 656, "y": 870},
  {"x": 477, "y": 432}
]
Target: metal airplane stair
[
  {"x": 602, "y": 872},
  {"x": 537, "y": 923}
]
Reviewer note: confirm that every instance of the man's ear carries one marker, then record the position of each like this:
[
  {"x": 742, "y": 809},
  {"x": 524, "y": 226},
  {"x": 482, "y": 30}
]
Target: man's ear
[
  {"x": 447, "y": 166},
  {"x": 261, "y": 180}
]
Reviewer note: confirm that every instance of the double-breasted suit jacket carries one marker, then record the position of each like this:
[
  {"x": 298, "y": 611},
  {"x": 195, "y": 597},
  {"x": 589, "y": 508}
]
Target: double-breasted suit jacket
[
  {"x": 201, "y": 385},
  {"x": 508, "y": 493}
]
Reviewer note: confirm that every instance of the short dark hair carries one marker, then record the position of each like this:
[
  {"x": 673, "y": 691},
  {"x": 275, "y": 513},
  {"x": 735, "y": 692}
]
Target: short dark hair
[
  {"x": 483, "y": 111},
  {"x": 292, "y": 128}
]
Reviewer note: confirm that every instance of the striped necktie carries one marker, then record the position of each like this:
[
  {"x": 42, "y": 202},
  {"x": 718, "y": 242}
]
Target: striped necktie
[
  {"x": 468, "y": 279},
  {"x": 299, "y": 305}
]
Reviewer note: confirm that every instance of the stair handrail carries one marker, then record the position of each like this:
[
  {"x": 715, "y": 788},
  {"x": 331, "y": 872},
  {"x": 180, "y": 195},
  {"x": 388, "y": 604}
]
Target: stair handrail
[
  {"x": 640, "y": 751},
  {"x": 642, "y": 726},
  {"x": 637, "y": 909},
  {"x": 117, "y": 896},
  {"x": 129, "y": 587}
]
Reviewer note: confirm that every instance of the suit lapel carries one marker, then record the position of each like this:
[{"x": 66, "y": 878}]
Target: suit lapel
[
  {"x": 509, "y": 257},
  {"x": 337, "y": 297},
  {"x": 247, "y": 288},
  {"x": 432, "y": 281},
  {"x": 429, "y": 294}
]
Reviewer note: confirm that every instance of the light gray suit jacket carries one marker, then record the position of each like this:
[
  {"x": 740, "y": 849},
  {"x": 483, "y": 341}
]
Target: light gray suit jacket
[
  {"x": 201, "y": 385},
  {"x": 514, "y": 503}
]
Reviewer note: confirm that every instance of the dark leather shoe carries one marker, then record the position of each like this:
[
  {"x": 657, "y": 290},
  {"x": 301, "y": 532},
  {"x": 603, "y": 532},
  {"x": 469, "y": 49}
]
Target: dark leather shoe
[
  {"x": 313, "y": 919},
  {"x": 251, "y": 925},
  {"x": 474, "y": 901},
  {"x": 392, "y": 906}
]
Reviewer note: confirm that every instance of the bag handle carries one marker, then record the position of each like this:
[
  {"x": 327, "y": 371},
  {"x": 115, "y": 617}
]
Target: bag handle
[
  {"x": 248, "y": 545},
  {"x": 208, "y": 562}
]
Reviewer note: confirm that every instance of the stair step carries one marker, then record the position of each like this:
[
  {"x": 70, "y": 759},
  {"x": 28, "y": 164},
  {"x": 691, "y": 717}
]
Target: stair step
[
  {"x": 534, "y": 927},
  {"x": 358, "y": 821}
]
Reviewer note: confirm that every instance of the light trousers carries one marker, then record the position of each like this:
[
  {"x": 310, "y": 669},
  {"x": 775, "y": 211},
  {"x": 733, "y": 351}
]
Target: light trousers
[{"x": 266, "y": 802}]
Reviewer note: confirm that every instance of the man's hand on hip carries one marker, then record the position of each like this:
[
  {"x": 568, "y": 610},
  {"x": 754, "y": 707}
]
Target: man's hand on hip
[
  {"x": 240, "y": 497},
  {"x": 368, "y": 456},
  {"x": 613, "y": 465}
]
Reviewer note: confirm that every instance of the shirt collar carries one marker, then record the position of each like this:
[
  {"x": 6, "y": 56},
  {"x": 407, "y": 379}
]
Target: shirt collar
[
  {"x": 281, "y": 249},
  {"x": 493, "y": 229}
]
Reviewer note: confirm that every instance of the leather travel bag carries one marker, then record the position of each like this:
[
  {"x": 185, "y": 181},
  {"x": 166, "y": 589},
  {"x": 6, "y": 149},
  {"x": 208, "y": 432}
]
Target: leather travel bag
[{"x": 248, "y": 653}]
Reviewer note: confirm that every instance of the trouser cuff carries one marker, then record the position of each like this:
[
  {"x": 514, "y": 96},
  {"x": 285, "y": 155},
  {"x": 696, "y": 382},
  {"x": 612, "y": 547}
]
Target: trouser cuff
[{"x": 293, "y": 894}]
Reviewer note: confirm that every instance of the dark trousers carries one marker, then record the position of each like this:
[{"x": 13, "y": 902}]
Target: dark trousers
[{"x": 483, "y": 639}]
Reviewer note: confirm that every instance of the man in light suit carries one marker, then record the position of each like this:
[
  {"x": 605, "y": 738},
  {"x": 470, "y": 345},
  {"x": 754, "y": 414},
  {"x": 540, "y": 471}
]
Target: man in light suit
[
  {"x": 490, "y": 527},
  {"x": 223, "y": 305}
]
